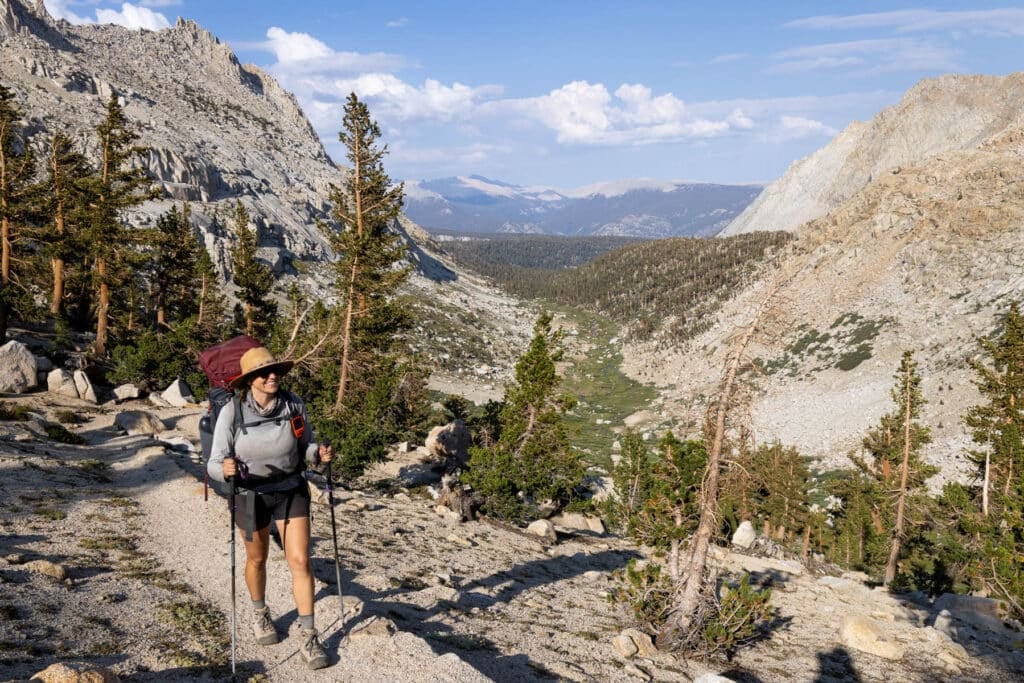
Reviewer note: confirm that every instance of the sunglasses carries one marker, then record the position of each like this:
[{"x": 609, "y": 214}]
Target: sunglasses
[{"x": 265, "y": 373}]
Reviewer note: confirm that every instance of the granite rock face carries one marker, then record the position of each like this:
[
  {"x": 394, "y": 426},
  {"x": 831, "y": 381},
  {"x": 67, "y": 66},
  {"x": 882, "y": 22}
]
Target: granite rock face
[{"x": 217, "y": 131}]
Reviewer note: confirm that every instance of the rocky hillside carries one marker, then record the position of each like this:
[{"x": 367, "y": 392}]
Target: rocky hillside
[
  {"x": 100, "y": 575},
  {"x": 217, "y": 130},
  {"x": 923, "y": 255},
  {"x": 937, "y": 116}
]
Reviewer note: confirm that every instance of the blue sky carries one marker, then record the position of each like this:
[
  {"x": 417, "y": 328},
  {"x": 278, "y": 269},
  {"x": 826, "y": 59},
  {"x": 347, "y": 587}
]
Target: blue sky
[{"x": 567, "y": 93}]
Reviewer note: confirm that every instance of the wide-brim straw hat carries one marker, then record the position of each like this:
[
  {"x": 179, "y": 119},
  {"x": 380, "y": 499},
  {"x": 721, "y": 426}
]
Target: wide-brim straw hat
[{"x": 256, "y": 359}]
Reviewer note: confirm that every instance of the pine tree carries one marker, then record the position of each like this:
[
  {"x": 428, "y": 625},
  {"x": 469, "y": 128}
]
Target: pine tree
[
  {"x": 18, "y": 193},
  {"x": 115, "y": 186},
  {"x": 781, "y": 490},
  {"x": 365, "y": 206},
  {"x": 671, "y": 508},
  {"x": 67, "y": 206},
  {"x": 895, "y": 448},
  {"x": 376, "y": 394},
  {"x": 997, "y": 425},
  {"x": 211, "y": 303},
  {"x": 174, "y": 268},
  {"x": 988, "y": 557},
  {"x": 532, "y": 461},
  {"x": 255, "y": 279}
]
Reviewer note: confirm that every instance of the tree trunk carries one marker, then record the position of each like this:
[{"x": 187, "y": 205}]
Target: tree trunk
[
  {"x": 104, "y": 307},
  {"x": 897, "y": 536},
  {"x": 346, "y": 339},
  {"x": 202, "y": 302},
  {"x": 5, "y": 275},
  {"x": 985, "y": 484},
  {"x": 694, "y": 587}
]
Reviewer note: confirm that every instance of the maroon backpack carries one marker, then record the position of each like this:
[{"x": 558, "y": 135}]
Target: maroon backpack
[{"x": 221, "y": 363}]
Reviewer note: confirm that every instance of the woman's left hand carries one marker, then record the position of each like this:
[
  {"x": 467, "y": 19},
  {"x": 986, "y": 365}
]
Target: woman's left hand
[{"x": 325, "y": 452}]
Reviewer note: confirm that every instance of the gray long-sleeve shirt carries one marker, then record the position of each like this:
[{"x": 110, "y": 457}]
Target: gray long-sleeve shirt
[{"x": 267, "y": 448}]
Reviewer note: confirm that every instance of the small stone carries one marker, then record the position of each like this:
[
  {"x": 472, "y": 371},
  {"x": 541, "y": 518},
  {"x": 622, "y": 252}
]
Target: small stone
[
  {"x": 47, "y": 568},
  {"x": 624, "y": 646},
  {"x": 375, "y": 627},
  {"x": 643, "y": 642},
  {"x": 745, "y": 535}
]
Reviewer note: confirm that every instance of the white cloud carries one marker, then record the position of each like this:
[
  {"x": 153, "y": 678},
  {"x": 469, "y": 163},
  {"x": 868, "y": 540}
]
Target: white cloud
[
  {"x": 799, "y": 127},
  {"x": 133, "y": 17},
  {"x": 392, "y": 98},
  {"x": 730, "y": 57},
  {"x": 585, "y": 113},
  {"x": 868, "y": 56},
  {"x": 738, "y": 119},
  {"x": 160, "y": 3},
  {"x": 398, "y": 23},
  {"x": 59, "y": 9},
  {"x": 130, "y": 16},
  {"x": 302, "y": 54},
  {"x": 1006, "y": 21}
]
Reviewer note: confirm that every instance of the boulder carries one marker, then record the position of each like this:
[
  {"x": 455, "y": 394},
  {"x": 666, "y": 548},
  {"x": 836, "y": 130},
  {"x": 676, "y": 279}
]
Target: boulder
[
  {"x": 178, "y": 394},
  {"x": 43, "y": 364},
  {"x": 84, "y": 386},
  {"x": 62, "y": 383},
  {"x": 983, "y": 613},
  {"x": 579, "y": 522},
  {"x": 745, "y": 535},
  {"x": 158, "y": 401},
  {"x": 861, "y": 633},
  {"x": 18, "y": 372},
  {"x": 544, "y": 529},
  {"x": 81, "y": 673},
  {"x": 450, "y": 441},
  {"x": 126, "y": 392},
  {"x": 139, "y": 423}
]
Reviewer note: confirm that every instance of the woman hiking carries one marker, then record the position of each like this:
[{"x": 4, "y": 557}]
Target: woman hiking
[{"x": 265, "y": 448}]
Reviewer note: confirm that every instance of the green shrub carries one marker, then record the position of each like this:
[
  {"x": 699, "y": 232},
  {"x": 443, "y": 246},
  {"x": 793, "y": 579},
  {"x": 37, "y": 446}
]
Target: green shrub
[
  {"x": 153, "y": 360},
  {"x": 647, "y": 591},
  {"x": 741, "y": 610},
  {"x": 10, "y": 412},
  {"x": 67, "y": 417},
  {"x": 60, "y": 434}
]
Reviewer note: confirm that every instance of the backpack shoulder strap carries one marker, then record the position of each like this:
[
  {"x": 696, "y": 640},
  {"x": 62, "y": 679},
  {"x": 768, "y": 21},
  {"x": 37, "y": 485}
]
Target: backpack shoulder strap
[{"x": 239, "y": 425}]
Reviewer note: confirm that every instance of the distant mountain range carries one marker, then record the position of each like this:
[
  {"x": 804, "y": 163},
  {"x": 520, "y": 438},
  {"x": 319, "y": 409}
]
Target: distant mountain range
[{"x": 630, "y": 208}]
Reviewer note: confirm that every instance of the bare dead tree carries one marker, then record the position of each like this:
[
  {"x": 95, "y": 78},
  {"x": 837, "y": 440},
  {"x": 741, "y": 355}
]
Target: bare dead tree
[{"x": 695, "y": 585}]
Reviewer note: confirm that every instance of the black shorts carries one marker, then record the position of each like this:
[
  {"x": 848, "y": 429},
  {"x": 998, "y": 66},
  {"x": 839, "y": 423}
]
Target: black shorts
[{"x": 271, "y": 506}]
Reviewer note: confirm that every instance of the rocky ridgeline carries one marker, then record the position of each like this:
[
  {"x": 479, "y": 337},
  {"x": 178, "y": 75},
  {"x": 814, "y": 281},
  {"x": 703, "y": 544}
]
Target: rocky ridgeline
[
  {"x": 217, "y": 130},
  {"x": 936, "y": 116},
  {"x": 925, "y": 256}
]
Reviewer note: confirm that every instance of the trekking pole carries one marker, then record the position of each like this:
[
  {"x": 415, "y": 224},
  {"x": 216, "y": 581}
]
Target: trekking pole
[
  {"x": 334, "y": 535},
  {"x": 231, "y": 504}
]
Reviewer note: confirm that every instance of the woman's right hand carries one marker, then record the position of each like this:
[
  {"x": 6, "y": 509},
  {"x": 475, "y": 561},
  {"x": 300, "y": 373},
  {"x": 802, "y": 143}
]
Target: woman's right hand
[{"x": 229, "y": 468}]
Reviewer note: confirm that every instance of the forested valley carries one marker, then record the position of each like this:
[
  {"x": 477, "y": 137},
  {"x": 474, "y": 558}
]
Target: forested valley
[{"x": 682, "y": 280}]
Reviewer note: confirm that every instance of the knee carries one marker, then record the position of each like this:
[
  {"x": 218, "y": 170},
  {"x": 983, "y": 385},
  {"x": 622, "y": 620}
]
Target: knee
[
  {"x": 299, "y": 563},
  {"x": 257, "y": 562}
]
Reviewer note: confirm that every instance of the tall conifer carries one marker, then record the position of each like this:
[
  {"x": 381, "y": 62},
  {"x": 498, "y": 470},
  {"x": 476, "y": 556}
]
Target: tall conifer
[
  {"x": 368, "y": 275},
  {"x": 255, "y": 279},
  {"x": 67, "y": 209},
  {"x": 17, "y": 195},
  {"x": 116, "y": 186}
]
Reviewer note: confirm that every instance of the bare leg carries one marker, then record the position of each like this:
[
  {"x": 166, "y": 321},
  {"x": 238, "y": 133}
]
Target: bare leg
[
  {"x": 256, "y": 562},
  {"x": 295, "y": 538}
]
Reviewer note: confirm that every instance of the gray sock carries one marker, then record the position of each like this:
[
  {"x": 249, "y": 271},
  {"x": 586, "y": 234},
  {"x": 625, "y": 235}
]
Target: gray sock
[
  {"x": 259, "y": 604},
  {"x": 306, "y": 622}
]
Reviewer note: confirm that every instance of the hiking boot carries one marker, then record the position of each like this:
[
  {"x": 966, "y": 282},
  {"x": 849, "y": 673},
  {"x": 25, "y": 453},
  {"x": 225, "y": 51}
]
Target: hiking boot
[
  {"x": 263, "y": 627},
  {"x": 312, "y": 651}
]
